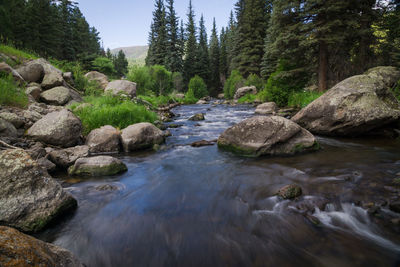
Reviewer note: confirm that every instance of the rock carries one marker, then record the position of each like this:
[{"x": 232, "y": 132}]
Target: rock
[
  {"x": 269, "y": 108},
  {"x": 395, "y": 206},
  {"x": 201, "y": 102},
  {"x": 141, "y": 136},
  {"x": 18, "y": 249},
  {"x": 354, "y": 106},
  {"x": 66, "y": 157},
  {"x": 122, "y": 86},
  {"x": 221, "y": 96},
  {"x": 174, "y": 126},
  {"x": 104, "y": 139},
  {"x": 75, "y": 96},
  {"x": 60, "y": 128},
  {"x": 272, "y": 135},
  {"x": 29, "y": 197},
  {"x": 57, "y": 96},
  {"x": 31, "y": 72},
  {"x": 5, "y": 68},
  {"x": 167, "y": 133},
  {"x": 47, "y": 164},
  {"x": 197, "y": 117},
  {"x": 106, "y": 187},
  {"x": 36, "y": 151},
  {"x": 244, "y": 91},
  {"x": 97, "y": 166},
  {"x": 180, "y": 96},
  {"x": 34, "y": 91},
  {"x": 202, "y": 143},
  {"x": 32, "y": 115},
  {"x": 68, "y": 77},
  {"x": 290, "y": 191},
  {"x": 51, "y": 80},
  {"x": 7, "y": 129},
  {"x": 13, "y": 118},
  {"x": 98, "y": 77}
]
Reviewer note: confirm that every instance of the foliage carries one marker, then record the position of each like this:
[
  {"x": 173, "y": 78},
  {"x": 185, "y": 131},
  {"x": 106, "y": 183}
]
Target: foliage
[
  {"x": 215, "y": 83},
  {"x": 158, "y": 101},
  {"x": 190, "y": 60},
  {"x": 161, "y": 78},
  {"x": 156, "y": 79},
  {"x": 197, "y": 87},
  {"x": 141, "y": 76},
  {"x": 120, "y": 64},
  {"x": 174, "y": 51},
  {"x": 110, "y": 110},
  {"x": 255, "y": 80},
  {"x": 248, "y": 98},
  {"x": 396, "y": 90},
  {"x": 234, "y": 82},
  {"x": 104, "y": 65},
  {"x": 177, "y": 81},
  {"x": 202, "y": 56},
  {"x": 302, "y": 99},
  {"x": 11, "y": 94},
  {"x": 18, "y": 54}
]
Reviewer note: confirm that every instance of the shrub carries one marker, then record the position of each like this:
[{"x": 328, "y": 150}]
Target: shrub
[
  {"x": 197, "y": 87},
  {"x": 141, "y": 76},
  {"x": 110, "y": 110},
  {"x": 18, "y": 55},
  {"x": 161, "y": 100},
  {"x": 104, "y": 65},
  {"x": 11, "y": 94},
  {"x": 248, "y": 98},
  {"x": 161, "y": 80},
  {"x": 177, "y": 81},
  {"x": 234, "y": 82},
  {"x": 254, "y": 80},
  {"x": 302, "y": 99}
]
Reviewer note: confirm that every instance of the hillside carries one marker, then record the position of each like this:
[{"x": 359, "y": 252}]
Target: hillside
[{"x": 134, "y": 54}]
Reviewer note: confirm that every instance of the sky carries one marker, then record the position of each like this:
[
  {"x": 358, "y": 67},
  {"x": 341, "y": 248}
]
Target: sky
[{"x": 127, "y": 22}]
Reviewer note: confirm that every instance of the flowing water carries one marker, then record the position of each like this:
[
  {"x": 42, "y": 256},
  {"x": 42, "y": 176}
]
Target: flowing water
[{"x": 185, "y": 206}]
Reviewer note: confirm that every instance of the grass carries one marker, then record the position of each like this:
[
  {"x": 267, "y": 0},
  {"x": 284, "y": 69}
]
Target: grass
[
  {"x": 249, "y": 98},
  {"x": 302, "y": 99},
  {"x": 110, "y": 110},
  {"x": 158, "y": 101},
  {"x": 17, "y": 53},
  {"x": 11, "y": 94}
]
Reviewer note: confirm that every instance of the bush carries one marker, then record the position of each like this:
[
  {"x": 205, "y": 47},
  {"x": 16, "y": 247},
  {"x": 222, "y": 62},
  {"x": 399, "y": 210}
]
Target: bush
[
  {"x": 177, "y": 81},
  {"x": 141, "y": 76},
  {"x": 248, "y": 98},
  {"x": 254, "y": 80},
  {"x": 110, "y": 110},
  {"x": 161, "y": 80},
  {"x": 197, "y": 88},
  {"x": 18, "y": 55},
  {"x": 234, "y": 82},
  {"x": 104, "y": 65},
  {"x": 302, "y": 99},
  {"x": 10, "y": 94},
  {"x": 161, "y": 100}
]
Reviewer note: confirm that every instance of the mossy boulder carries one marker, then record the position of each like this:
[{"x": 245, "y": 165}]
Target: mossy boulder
[
  {"x": 272, "y": 135},
  {"x": 290, "y": 191},
  {"x": 97, "y": 166}
]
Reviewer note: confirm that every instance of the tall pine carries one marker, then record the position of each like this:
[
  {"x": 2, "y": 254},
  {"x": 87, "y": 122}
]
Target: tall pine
[
  {"x": 203, "y": 62},
  {"x": 189, "y": 65},
  {"x": 214, "y": 62},
  {"x": 174, "y": 56}
]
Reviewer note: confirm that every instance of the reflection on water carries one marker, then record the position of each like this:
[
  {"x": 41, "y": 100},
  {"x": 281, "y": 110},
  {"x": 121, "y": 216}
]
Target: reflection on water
[{"x": 185, "y": 206}]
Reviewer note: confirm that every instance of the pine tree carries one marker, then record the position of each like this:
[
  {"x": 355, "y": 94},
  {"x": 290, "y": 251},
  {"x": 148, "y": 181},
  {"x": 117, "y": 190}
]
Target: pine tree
[
  {"x": 66, "y": 32},
  {"x": 214, "y": 62},
  {"x": 174, "y": 57},
  {"x": 223, "y": 57},
  {"x": 121, "y": 63},
  {"x": 230, "y": 44},
  {"x": 158, "y": 36},
  {"x": 189, "y": 64},
  {"x": 108, "y": 54},
  {"x": 202, "y": 62}
]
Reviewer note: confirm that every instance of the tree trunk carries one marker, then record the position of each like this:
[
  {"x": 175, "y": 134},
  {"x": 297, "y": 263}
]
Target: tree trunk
[{"x": 323, "y": 67}]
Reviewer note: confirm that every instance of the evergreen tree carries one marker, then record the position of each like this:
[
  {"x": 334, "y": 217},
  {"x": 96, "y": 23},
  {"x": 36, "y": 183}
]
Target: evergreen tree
[
  {"x": 158, "y": 36},
  {"x": 121, "y": 63},
  {"x": 66, "y": 31},
  {"x": 108, "y": 54},
  {"x": 223, "y": 57},
  {"x": 202, "y": 62},
  {"x": 214, "y": 62},
  {"x": 174, "y": 57},
  {"x": 230, "y": 44},
  {"x": 189, "y": 64}
]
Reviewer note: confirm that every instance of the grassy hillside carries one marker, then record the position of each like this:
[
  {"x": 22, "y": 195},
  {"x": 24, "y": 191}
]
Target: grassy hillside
[{"x": 135, "y": 54}]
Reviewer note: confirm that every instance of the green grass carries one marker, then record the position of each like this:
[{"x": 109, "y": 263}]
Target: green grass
[
  {"x": 11, "y": 94},
  {"x": 249, "y": 98},
  {"x": 302, "y": 99},
  {"x": 109, "y": 110},
  {"x": 158, "y": 101},
  {"x": 396, "y": 91},
  {"x": 17, "y": 53}
]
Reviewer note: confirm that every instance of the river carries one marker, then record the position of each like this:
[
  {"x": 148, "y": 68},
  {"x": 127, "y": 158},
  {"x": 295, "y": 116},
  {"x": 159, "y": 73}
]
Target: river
[{"x": 185, "y": 206}]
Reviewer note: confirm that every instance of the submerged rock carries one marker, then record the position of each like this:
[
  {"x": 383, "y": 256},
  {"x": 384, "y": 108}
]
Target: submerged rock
[
  {"x": 270, "y": 135},
  {"x": 105, "y": 139},
  {"x": 197, "y": 117},
  {"x": 97, "y": 166},
  {"x": 290, "y": 191},
  {"x": 66, "y": 157},
  {"x": 29, "y": 197},
  {"x": 18, "y": 249},
  {"x": 141, "y": 136},
  {"x": 269, "y": 108},
  {"x": 202, "y": 143},
  {"x": 354, "y": 106}
]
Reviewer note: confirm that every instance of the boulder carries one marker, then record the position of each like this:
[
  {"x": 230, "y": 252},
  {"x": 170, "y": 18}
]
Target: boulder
[
  {"x": 97, "y": 166},
  {"x": 51, "y": 80},
  {"x": 104, "y": 139},
  {"x": 32, "y": 115},
  {"x": 122, "y": 86},
  {"x": 7, "y": 129},
  {"x": 262, "y": 135},
  {"x": 269, "y": 108},
  {"x": 13, "y": 118},
  {"x": 98, "y": 77},
  {"x": 61, "y": 128},
  {"x": 18, "y": 249},
  {"x": 290, "y": 191},
  {"x": 221, "y": 96},
  {"x": 47, "y": 164},
  {"x": 31, "y": 72},
  {"x": 180, "y": 96},
  {"x": 244, "y": 91},
  {"x": 57, "y": 96},
  {"x": 395, "y": 206},
  {"x": 75, "y": 96},
  {"x": 141, "y": 136},
  {"x": 66, "y": 157},
  {"x": 5, "y": 68},
  {"x": 202, "y": 143},
  {"x": 29, "y": 197},
  {"x": 354, "y": 106},
  {"x": 201, "y": 102},
  {"x": 68, "y": 77},
  {"x": 34, "y": 91},
  {"x": 197, "y": 117}
]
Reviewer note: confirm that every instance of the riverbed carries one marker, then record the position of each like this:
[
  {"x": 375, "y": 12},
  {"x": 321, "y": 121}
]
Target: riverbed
[{"x": 186, "y": 206}]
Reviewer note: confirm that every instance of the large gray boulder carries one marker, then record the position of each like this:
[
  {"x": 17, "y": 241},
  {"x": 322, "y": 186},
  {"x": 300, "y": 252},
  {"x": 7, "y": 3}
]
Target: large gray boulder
[
  {"x": 98, "y": 77},
  {"x": 272, "y": 135},
  {"x": 57, "y": 96},
  {"x": 104, "y": 140},
  {"x": 354, "y": 106},
  {"x": 64, "y": 158},
  {"x": 97, "y": 166},
  {"x": 13, "y": 118},
  {"x": 29, "y": 197},
  {"x": 5, "y": 68},
  {"x": 244, "y": 91},
  {"x": 34, "y": 91},
  {"x": 52, "y": 79},
  {"x": 7, "y": 129},
  {"x": 141, "y": 136},
  {"x": 269, "y": 108},
  {"x": 60, "y": 128},
  {"x": 31, "y": 72},
  {"x": 18, "y": 249},
  {"x": 122, "y": 86}
]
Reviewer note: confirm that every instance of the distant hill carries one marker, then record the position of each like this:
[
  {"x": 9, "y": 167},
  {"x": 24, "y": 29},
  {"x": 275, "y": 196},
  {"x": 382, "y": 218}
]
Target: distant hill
[{"x": 134, "y": 54}]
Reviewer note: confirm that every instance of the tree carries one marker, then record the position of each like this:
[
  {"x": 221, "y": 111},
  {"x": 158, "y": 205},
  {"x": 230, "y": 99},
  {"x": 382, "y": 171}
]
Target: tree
[
  {"x": 121, "y": 64},
  {"x": 214, "y": 61},
  {"x": 189, "y": 64},
  {"x": 223, "y": 57},
  {"x": 103, "y": 65},
  {"x": 174, "y": 56},
  {"x": 197, "y": 87},
  {"x": 202, "y": 62},
  {"x": 158, "y": 36}
]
